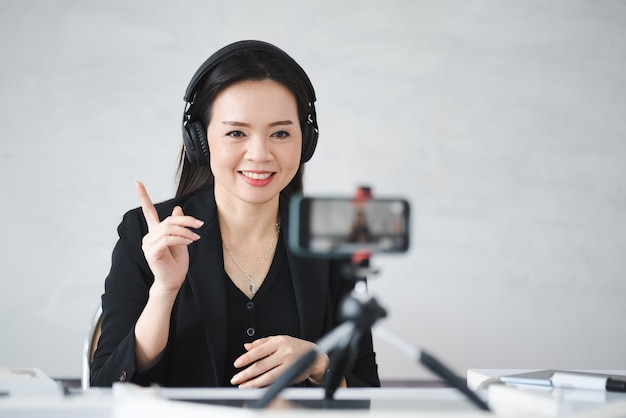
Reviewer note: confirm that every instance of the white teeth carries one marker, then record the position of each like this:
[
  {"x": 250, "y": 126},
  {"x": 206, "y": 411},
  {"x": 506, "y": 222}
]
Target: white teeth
[{"x": 256, "y": 176}]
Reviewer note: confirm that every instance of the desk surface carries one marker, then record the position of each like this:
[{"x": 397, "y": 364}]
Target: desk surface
[{"x": 127, "y": 400}]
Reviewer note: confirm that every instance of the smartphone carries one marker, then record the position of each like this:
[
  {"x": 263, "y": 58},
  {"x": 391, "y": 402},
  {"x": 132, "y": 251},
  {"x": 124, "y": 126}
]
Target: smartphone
[{"x": 338, "y": 226}]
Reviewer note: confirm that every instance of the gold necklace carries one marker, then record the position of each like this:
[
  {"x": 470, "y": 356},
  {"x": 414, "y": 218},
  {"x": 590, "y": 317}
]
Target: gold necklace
[{"x": 251, "y": 285}]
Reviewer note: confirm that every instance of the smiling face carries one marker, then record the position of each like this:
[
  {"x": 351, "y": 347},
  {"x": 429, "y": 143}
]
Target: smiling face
[{"x": 255, "y": 141}]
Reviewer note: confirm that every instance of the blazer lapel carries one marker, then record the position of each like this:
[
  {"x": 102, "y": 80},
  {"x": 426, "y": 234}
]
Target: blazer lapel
[{"x": 206, "y": 278}]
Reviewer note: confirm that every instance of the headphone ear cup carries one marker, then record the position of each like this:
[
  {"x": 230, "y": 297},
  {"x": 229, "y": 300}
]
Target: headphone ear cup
[
  {"x": 309, "y": 141},
  {"x": 196, "y": 143}
]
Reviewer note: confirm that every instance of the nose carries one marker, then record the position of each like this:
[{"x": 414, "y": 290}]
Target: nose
[{"x": 259, "y": 149}]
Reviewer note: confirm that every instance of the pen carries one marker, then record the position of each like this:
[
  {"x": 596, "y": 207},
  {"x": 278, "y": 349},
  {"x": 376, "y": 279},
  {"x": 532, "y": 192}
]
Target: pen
[{"x": 586, "y": 381}]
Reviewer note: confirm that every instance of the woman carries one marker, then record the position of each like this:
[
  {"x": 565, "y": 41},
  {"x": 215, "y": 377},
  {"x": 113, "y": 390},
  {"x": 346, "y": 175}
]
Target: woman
[{"x": 203, "y": 290}]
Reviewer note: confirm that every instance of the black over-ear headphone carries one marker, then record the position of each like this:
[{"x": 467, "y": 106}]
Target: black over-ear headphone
[{"x": 194, "y": 132}]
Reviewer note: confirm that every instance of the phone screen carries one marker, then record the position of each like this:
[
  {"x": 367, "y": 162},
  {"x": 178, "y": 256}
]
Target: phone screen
[{"x": 328, "y": 226}]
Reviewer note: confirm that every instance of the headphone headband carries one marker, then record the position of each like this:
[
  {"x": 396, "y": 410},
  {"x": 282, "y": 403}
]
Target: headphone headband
[{"x": 250, "y": 45}]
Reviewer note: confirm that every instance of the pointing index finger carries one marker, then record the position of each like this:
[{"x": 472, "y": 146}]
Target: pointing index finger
[{"x": 149, "y": 212}]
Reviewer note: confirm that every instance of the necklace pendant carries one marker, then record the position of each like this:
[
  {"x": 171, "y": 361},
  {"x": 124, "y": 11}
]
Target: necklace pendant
[{"x": 251, "y": 284}]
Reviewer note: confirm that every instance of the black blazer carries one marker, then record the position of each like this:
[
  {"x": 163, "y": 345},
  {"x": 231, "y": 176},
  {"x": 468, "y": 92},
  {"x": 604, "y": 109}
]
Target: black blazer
[{"x": 195, "y": 353}]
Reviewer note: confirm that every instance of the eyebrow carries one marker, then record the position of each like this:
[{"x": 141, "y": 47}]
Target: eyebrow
[{"x": 277, "y": 123}]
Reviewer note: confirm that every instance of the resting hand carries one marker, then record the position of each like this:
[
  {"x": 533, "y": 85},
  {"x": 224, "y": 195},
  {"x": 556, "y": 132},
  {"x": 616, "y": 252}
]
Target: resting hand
[
  {"x": 165, "y": 244},
  {"x": 268, "y": 358}
]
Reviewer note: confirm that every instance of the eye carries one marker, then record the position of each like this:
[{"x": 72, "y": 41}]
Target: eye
[
  {"x": 280, "y": 134},
  {"x": 235, "y": 134}
]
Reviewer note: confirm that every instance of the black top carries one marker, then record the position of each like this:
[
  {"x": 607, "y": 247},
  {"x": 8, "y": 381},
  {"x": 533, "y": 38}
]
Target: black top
[{"x": 271, "y": 311}]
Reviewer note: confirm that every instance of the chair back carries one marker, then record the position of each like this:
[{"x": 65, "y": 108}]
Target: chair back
[{"x": 90, "y": 345}]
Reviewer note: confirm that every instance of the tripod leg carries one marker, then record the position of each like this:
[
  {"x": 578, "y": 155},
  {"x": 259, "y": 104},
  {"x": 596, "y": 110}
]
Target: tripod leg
[
  {"x": 449, "y": 376},
  {"x": 338, "y": 360},
  {"x": 434, "y": 365}
]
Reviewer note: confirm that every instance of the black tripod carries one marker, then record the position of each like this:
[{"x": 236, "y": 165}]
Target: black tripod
[{"x": 359, "y": 313}]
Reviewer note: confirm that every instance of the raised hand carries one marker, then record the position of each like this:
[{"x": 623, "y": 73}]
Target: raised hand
[{"x": 165, "y": 244}]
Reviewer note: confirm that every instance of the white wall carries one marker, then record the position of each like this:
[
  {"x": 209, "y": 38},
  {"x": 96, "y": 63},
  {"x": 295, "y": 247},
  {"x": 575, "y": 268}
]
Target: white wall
[{"x": 503, "y": 123}]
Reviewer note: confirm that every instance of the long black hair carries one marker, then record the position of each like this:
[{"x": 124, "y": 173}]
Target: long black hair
[{"x": 244, "y": 65}]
